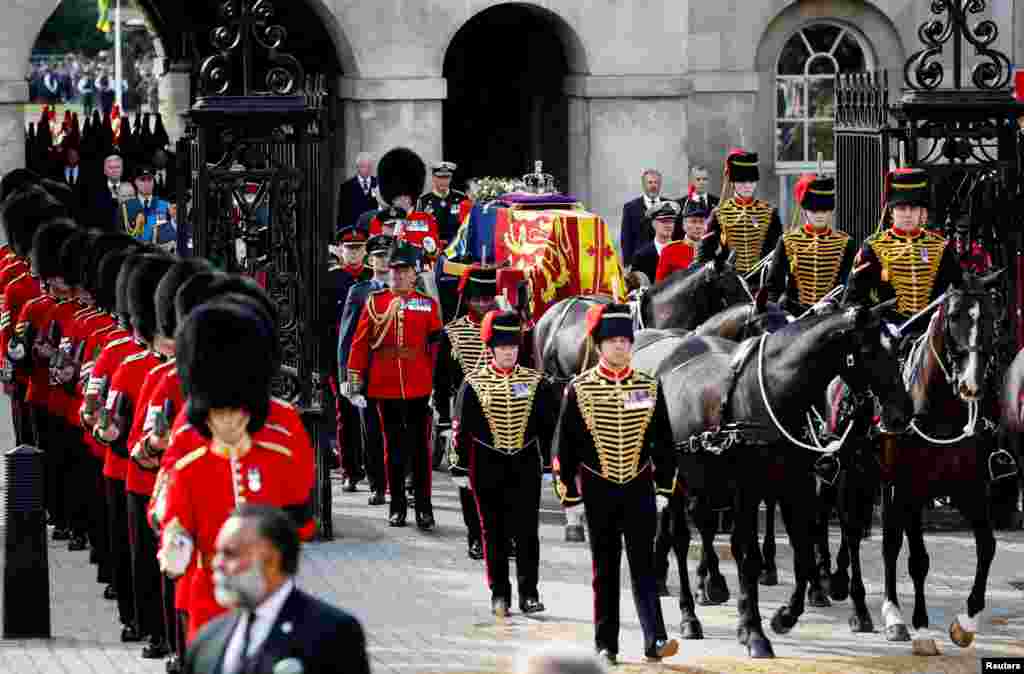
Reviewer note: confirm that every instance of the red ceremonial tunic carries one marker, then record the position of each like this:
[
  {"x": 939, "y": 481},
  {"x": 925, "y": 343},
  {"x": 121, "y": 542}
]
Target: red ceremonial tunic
[
  {"x": 396, "y": 341},
  {"x": 675, "y": 256},
  {"x": 35, "y": 314},
  {"x": 85, "y": 326},
  {"x": 20, "y": 290},
  {"x": 60, "y": 398},
  {"x": 140, "y": 481},
  {"x": 120, "y": 344},
  {"x": 204, "y": 490},
  {"x": 116, "y": 467},
  {"x": 420, "y": 230}
]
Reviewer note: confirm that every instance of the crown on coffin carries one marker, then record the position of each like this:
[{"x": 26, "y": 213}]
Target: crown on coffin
[{"x": 539, "y": 182}]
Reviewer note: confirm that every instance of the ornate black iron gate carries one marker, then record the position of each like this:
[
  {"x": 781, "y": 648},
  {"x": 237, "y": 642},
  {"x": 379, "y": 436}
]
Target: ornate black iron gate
[{"x": 256, "y": 159}]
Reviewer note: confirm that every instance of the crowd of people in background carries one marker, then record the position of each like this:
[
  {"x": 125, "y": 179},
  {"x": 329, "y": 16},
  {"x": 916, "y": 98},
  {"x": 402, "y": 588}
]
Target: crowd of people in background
[{"x": 76, "y": 79}]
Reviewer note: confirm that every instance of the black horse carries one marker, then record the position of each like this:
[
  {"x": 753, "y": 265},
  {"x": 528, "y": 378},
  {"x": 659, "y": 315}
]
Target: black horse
[
  {"x": 945, "y": 375},
  {"x": 684, "y": 300},
  {"x": 752, "y": 398}
]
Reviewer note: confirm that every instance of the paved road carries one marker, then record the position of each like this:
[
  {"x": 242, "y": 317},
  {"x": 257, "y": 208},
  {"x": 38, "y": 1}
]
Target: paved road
[{"x": 426, "y": 609}]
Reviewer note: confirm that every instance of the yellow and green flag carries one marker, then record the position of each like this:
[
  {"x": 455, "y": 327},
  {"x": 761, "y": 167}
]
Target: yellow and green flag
[{"x": 103, "y": 24}]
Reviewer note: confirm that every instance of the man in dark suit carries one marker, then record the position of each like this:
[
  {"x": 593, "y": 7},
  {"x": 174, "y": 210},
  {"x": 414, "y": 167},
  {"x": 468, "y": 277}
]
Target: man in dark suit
[
  {"x": 663, "y": 219},
  {"x": 635, "y": 232},
  {"x": 698, "y": 194},
  {"x": 72, "y": 175},
  {"x": 275, "y": 626},
  {"x": 356, "y": 195},
  {"x": 102, "y": 205}
]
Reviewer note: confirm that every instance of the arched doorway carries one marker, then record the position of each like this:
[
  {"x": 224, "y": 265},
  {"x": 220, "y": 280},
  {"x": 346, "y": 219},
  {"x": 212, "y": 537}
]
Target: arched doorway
[{"x": 506, "y": 105}]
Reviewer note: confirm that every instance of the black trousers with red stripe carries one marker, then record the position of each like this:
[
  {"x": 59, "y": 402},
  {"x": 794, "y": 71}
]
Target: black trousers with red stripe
[
  {"x": 405, "y": 424},
  {"x": 507, "y": 493},
  {"x": 616, "y": 512}
]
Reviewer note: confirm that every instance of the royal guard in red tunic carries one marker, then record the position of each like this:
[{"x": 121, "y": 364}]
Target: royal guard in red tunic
[
  {"x": 741, "y": 224},
  {"x": 681, "y": 254},
  {"x": 463, "y": 352},
  {"x": 114, "y": 430},
  {"x": 410, "y": 227},
  {"x": 613, "y": 450},
  {"x": 226, "y": 358},
  {"x": 392, "y": 359},
  {"x": 401, "y": 175},
  {"x": 504, "y": 420},
  {"x": 813, "y": 258}
]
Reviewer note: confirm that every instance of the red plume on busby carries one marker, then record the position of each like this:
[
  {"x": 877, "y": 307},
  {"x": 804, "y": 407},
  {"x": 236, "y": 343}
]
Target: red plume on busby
[
  {"x": 594, "y": 315},
  {"x": 464, "y": 280},
  {"x": 801, "y": 187},
  {"x": 487, "y": 326},
  {"x": 501, "y": 328}
]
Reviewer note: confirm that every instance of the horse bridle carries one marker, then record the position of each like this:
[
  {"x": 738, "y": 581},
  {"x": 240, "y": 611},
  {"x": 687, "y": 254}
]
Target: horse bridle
[{"x": 952, "y": 372}]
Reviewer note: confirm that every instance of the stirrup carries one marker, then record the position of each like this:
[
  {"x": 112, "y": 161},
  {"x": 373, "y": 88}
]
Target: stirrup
[{"x": 1001, "y": 465}]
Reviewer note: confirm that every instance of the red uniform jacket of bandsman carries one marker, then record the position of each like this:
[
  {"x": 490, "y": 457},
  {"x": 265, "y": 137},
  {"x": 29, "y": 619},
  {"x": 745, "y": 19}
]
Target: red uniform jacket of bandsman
[
  {"x": 675, "y": 256},
  {"x": 35, "y": 314},
  {"x": 22, "y": 288},
  {"x": 395, "y": 345},
  {"x": 201, "y": 496}
]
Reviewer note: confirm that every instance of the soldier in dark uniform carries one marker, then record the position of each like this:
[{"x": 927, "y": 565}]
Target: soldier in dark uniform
[
  {"x": 612, "y": 450},
  {"x": 392, "y": 358},
  {"x": 443, "y": 202},
  {"x": 348, "y": 269},
  {"x": 504, "y": 420},
  {"x": 813, "y": 259},
  {"x": 463, "y": 352},
  {"x": 742, "y": 224},
  {"x": 915, "y": 265},
  {"x": 378, "y": 250}
]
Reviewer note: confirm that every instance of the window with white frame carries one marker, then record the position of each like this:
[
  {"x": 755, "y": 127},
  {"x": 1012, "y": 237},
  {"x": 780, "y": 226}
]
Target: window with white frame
[{"x": 805, "y": 98}]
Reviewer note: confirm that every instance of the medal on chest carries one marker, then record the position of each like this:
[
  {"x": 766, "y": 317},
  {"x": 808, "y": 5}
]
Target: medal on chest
[
  {"x": 254, "y": 479},
  {"x": 924, "y": 255}
]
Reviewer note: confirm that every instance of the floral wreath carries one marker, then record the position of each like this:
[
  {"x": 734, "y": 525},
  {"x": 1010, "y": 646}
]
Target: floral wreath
[{"x": 489, "y": 188}]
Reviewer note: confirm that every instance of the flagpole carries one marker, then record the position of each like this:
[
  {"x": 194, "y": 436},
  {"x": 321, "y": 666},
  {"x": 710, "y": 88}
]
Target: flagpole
[{"x": 117, "y": 55}]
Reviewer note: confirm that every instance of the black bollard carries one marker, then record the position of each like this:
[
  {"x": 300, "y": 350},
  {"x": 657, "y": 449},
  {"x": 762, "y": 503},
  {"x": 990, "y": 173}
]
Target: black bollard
[{"x": 26, "y": 562}]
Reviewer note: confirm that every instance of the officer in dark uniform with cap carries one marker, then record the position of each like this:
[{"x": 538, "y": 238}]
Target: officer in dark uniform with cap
[
  {"x": 504, "y": 420},
  {"x": 814, "y": 258},
  {"x": 612, "y": 450},
  {"x": 347, "y": 268},
  {"x": 378, "y": 256},
  {"x": 392, "y": 358},
  {"x": 463, "y": 352},
  {"x": 443, "y": 202},
  {"x": 742, "y": 223}
]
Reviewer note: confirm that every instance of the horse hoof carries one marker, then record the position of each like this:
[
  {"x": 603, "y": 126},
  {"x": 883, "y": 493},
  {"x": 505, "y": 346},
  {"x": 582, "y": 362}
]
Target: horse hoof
[
  {"x": 959, "y": 635},
  {"x": 897, "y": 633},
  {"x": 783, "y": 621},
  {"x": 759, "y": 647},
  {"x": 715, "y": 591},
  {"x": 839, "y": 587},
  {"x": 769, "y": 578},
  {"x": 691, "y": 629},
  {"x": 861, "y": 624},
  {"x": 817, "y": 598}
]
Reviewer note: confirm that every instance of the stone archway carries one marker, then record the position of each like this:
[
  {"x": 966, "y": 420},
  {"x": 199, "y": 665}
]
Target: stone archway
[{"x": 507, "y": 104}]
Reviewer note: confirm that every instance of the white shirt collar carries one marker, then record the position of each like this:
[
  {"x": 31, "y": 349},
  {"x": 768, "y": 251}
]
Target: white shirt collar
[
  {"x": 264, "y": 618},
  {"x": 271, "y": 606},
  {"x": 660, "y": 246}
]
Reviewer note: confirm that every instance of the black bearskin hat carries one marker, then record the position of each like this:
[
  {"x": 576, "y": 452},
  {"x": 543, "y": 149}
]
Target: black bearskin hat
[
  {"x": 182, "y": 271},
  {"x": 107, "y": 273},
  {"x": 245, "y": 285},
  {"x": 199, "y": 290},
  {"x": 106, "y": 242},
  {"x": 401, "y": 171},
  {"x": 194, "y": 292},
  {"x": 59, "y": 191},
  {"x": 74, "y": 255},
  {"x": 142, "y": 285},
  {"x": 224, "y": 361},
  {"x": 14, "y": 181},
  {"x": 134, "y": 259},
  {"x": 46, "y": 245},
  {"x": 24, "y": 213}
]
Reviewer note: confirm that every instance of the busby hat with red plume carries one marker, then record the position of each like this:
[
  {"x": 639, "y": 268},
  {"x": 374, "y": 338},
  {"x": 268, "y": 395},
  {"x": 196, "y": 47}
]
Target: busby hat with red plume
[
  {"x": 609, "y": 320},
  {"x": 815, "y": 193},
  {"x": 501, "y": 328},
  {"x": 478, "y": 281}
]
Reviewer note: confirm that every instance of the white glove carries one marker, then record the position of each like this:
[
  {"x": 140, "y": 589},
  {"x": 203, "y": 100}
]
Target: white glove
[
  {"x": 175, "y": 553},
  {"x": 358, "y": 401},
  {"x": 343, "y": 389},
  {"x": 662, "y": 501},
  {"x": 461, "y": 481}
]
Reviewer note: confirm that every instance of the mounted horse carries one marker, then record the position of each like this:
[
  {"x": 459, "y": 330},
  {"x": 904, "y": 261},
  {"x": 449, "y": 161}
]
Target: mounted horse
[
  {"x": 946, "y": 375},
  {"x": 734, "y": 410}
]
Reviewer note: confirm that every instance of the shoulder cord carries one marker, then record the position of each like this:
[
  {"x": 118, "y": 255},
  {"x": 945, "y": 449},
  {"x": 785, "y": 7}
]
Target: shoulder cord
[{"x": 381, "y": 323}]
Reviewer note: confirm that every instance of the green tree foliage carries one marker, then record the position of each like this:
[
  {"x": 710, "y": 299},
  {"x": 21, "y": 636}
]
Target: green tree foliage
[{"x": 72, "y": 27}]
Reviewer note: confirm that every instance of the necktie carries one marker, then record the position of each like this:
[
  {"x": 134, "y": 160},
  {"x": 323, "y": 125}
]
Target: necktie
[{"x": 243, "y": 658}]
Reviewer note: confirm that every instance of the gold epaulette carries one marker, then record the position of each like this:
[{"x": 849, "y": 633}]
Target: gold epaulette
[
  {"x": 18, "y": 278},
  {"x": 119, "y": 341},
  {"x": 274, "y": 447},
  {"x": 181, "y": 429},
  {"x": 278, "y": 428},
  {"x": 159, "y": 367},
  {"x": 618, "y": 432},
  {"x": 134, "y": 357},
  {"x": 190, "y": 458},
  {"x": 83, "y": 312}
]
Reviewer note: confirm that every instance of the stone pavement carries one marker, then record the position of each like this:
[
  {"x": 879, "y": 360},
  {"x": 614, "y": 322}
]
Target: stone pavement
[{"x": 425, "y": 607}]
